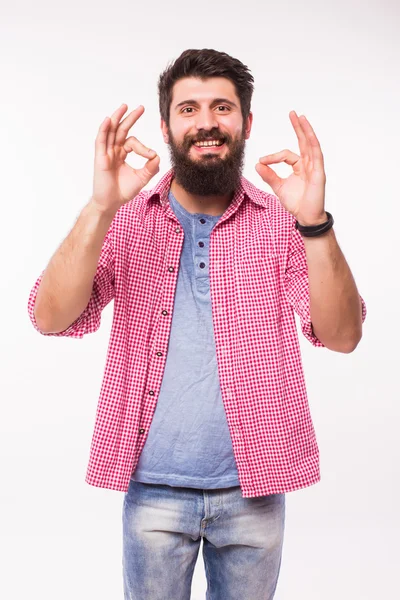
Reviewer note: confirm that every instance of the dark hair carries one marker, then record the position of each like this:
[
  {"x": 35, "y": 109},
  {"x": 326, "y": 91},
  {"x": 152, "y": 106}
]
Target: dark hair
[{"x": 204, "y": 64}]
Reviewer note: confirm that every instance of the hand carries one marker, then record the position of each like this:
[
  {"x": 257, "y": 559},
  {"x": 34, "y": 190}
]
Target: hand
[
  {"x": 303, "y": 192},
  {"x": 115, "y": 182}
]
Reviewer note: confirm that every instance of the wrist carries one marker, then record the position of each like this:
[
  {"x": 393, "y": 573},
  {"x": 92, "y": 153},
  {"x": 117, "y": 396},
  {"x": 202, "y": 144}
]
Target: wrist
[
  {"x": 322, "y": 238},
  {"x": 312, "y": 222},
  {"x": 317, "y": 229},
  {"x": 103, "y": 212}
]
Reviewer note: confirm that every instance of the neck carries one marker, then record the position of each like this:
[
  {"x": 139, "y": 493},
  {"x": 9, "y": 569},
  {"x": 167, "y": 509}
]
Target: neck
[{"x": 207, "y": 205}]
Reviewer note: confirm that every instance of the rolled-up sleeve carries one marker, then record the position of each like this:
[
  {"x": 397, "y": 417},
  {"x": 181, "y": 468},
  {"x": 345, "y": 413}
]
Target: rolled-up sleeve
[
  {"x": 297, "y": 287},
  {"x": 102, "y": 293}
]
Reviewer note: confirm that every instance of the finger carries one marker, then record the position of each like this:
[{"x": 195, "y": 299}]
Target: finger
[
  {"x": 133, "y": 144},
  {"x": 314, "y": 145},
  {"x": 115, "y": 119},
  {"x": 270, "y": 177},
  {"x": 150, "y": 169},
  {"x": 301, "y": 136},
  {"x": 101, "y": 138},
  {"x": 126, "y": 124},
  {"x": 286, "y": 156}
]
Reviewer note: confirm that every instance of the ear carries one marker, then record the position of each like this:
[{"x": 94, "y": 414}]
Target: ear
[
  {"x": 164, "y": 130},
  {"x": 249, "y": 123}
]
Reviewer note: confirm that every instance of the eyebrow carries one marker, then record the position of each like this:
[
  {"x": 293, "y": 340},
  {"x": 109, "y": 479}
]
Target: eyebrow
[{"x": 215, "y": 101}]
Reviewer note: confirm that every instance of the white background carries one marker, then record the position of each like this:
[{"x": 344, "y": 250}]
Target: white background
[{"x": 64, "y": 68}]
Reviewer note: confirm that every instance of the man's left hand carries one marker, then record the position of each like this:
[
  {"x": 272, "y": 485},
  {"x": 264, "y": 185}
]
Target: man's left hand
[{"x": 303, "y": 192}]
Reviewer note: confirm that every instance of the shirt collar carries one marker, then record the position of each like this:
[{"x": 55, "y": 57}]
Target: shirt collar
[{"x": 245, "y": 189}]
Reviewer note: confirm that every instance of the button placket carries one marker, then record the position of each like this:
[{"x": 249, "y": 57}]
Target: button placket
[
  {"x": 202, "y": 253},
  {"x": 174, "y": 245},
  {"x": 172, "y": 254}
]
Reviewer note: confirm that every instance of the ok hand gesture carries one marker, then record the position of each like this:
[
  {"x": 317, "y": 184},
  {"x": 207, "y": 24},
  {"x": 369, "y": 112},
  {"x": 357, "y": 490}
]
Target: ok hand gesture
[
  {"x": 115, "y": 182},
  {"x": 303, "y": 192}
]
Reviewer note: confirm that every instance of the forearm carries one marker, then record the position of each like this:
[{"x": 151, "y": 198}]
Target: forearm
[
  {"x": 67, "y": 282},
  {"x": 335, "y": 305}
]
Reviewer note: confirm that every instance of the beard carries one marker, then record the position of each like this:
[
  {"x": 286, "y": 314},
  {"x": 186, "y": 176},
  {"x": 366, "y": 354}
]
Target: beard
[{"x": 209, "y": 175}]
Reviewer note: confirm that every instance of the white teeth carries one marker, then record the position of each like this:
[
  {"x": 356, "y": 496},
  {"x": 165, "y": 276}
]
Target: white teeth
[{"x": 211, "y": 143}]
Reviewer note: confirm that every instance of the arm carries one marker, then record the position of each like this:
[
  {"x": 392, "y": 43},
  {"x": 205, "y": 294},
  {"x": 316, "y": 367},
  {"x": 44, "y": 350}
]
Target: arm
[
  {"x": 67, "y": 282},
  {"x": 80, "y": 274},
  {"x": 335, "y": 305}
]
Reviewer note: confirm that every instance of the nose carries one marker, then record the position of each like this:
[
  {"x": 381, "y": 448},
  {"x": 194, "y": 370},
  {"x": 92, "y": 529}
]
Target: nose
[{"x": 206, "y": 119}]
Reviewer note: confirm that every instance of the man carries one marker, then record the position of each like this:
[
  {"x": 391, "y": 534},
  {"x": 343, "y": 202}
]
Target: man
[{"x": 203, "y": 418}]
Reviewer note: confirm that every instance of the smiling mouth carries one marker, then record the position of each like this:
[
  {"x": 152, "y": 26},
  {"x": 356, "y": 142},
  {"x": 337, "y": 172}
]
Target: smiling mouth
[{"x": 209, "y": 144}]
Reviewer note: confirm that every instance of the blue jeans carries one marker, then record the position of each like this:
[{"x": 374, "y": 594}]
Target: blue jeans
[{"x": 162, "y": 530}]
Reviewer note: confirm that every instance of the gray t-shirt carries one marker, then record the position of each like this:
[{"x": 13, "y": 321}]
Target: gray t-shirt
[{"x": 189, "y": 443}]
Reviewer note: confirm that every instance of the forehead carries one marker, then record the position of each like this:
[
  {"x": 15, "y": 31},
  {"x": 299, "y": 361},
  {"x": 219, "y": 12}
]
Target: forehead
[{"x": 203, "y": 90}]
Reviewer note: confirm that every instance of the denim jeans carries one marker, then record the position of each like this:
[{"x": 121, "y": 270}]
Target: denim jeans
[{"x": 162, "y": 530}]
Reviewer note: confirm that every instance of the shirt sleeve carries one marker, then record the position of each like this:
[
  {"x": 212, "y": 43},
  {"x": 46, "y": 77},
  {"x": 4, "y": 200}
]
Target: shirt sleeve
[
  {"x": 102, "y": 293},
  {"x": 297, "y": 288}
]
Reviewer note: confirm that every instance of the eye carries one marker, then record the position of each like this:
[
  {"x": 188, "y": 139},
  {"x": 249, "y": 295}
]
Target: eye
[
  {"x": 187, "y": 109},
  {"x": 222, "y": 108}
]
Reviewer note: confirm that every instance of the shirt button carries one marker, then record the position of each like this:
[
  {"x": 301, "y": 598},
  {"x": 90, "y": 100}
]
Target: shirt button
[
  {"x": 202, "y": 265},
  {"x": 151, "y": 393},
  {"x": 201, "y": 244},
  {"x": 177, "y": 230},
  {"x": 202, "y": 221},
  {"x": 164, "y": 312},
  {"x": 171, "y": 269},
  {"x": 141, "y": 430},
  {"x": 159, "y": 353}
]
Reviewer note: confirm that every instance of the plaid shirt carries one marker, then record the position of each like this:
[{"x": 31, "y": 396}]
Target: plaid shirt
[{"x": 258, "y": 279}]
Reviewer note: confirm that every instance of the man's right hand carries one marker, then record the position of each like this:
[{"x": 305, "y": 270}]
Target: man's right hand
[{"x": 115, "y": 182}]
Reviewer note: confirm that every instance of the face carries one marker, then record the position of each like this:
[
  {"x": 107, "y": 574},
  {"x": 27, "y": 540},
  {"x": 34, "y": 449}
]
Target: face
[{"x": 206, "y": 135}]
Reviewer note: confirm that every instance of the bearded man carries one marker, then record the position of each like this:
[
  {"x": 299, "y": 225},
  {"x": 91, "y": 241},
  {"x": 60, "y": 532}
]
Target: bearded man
[{"x": 203, "y": 420}]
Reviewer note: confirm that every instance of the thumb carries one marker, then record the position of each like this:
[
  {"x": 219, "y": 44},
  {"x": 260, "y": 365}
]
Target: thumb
[
  {"x": 269, "y": 176},
  {"x": 150, "y": 169}
]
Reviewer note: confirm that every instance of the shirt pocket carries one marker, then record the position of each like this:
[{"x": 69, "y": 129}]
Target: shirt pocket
[
  {"x": 258, "y": 260},
  {"x": 260, "y": 277}
]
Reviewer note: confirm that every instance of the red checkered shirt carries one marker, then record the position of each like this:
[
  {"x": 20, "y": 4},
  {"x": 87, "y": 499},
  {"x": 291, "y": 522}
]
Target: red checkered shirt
[{"x": 258, "y": 280}]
